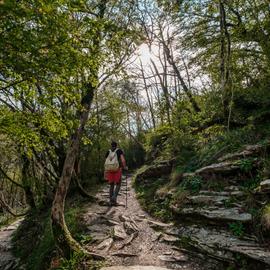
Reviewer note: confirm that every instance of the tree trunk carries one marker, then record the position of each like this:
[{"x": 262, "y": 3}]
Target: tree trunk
[
  {"x": 26, "y": 184},
  {"x": 63, "y": 239},
  {"x": 178, "y": 74},
  {"x": 62, "y": 236},
  {"x": 165, "y": 92},
  {"x": 148, "y": 97},
  {"x": 98, "y": 141},
  {"x": 225, "y": 60},
  {"x": 222, "y": 56}
]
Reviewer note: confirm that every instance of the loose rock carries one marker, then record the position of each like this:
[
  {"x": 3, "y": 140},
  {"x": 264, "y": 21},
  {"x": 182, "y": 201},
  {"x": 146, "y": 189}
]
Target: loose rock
[
  {"x": 119, "y": 232},
  {"x": 168, "y": 258}
]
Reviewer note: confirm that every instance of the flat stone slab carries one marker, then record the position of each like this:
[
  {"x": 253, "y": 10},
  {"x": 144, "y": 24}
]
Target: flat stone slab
[
  {"x": 158, "y": 225},
  {"x": 124, "y": 254},
  {"x": 134, "y": 267},
  {"x": 214, "y": 193},
  {"x": 235, "y": 193},
  {"x": 249, "y": 150},
  {"x": 223, "y": 245},
  {"x": 221, "y": 167},
  {"x": 265, "y": 185},
  {"x": 169, "y": 238},
  {"x": 169, "y": 258},
  {"x": 207, "y": 199},
  {"x": 220, "y": 214}
]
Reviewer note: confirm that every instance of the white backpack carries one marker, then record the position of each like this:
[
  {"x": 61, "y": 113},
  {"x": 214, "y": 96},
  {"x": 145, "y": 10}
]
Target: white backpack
[{"x": 111, "y": 162}]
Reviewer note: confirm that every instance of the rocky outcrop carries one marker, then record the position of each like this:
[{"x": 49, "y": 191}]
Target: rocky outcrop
[
  {"x": 248, "y": 151},
  {"x": 223, "y": 246},
  {"x": 222, "y": 168},
  {"x": 214, "y": 214},
  {"x": 212, "y": 208},
  {"x": 207, "y": 199},
  {"x": 228, "y": 172},
  {"x": 265, "y": 186},
  {"x": 156, "y": 170},
  {"x": 234, "y": 171}
]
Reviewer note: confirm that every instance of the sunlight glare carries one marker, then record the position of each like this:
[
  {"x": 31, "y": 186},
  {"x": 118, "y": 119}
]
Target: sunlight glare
[{"x": 145, "y": 55}]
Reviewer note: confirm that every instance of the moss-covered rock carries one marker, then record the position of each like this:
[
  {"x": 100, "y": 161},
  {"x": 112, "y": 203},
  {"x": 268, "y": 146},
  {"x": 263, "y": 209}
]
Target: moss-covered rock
[{"x": 149, "y": 172}]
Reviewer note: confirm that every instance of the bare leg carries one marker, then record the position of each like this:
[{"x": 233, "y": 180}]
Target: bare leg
[
  {"x": 116, "y": 191},
  {"x": 111, "y": 193}
]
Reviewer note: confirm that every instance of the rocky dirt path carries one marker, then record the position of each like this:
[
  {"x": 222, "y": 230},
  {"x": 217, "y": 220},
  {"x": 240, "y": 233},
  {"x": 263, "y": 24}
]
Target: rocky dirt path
[
  {"x": 130, "y": 237},
  {"x": 7, "y": 260}
]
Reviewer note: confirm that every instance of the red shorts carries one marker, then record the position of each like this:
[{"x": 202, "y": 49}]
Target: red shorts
[{"x": 114, "y": 177}]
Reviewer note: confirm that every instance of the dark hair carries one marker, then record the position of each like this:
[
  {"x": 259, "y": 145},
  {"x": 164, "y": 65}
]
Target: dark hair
[{"x": 114, "y": 144}]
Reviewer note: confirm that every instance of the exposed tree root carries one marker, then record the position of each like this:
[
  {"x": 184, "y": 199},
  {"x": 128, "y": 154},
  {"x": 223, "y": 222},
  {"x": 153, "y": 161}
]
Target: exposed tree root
[{"x": 82, "y": 191}]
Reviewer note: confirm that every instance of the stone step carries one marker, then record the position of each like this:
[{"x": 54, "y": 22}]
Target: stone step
[
  {"x": 222, "y": 167},
  {"x": 214, "y": 193},
  {"x": 247, "y": 151},
  {"x": 230, "y": 170},
  {"x": 236, "y": 193},
  {"x": 224, "y": 246},
  {"x": 207, "y": 200},
  {"x": 213, "y": 214},
  {"x": 147, "y": 173}
]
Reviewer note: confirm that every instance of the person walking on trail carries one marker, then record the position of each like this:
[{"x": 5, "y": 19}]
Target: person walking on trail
[{"x": 114, "y": 164}]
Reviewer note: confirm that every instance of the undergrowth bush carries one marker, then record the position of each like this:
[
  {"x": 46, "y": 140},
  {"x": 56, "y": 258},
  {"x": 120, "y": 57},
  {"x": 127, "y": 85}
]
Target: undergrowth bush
[
  {"x": 157, "y": 142},
  {"x": 79, "y": 261},
  {"x": 237, "y": 228},
  {"x": 147, "y": 196},
  {"x": 217, "y": 142},
  {"x": 179, "y": 197},
  {"x": 192, "y": 183}
]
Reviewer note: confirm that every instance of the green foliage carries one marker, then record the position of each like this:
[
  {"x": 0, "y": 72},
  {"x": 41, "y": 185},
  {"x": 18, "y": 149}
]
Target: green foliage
[
  {"x": 149, "y": 201},
  {"x": 213, "y": 144},
  {"x": 6, "y": 219},
  {"x": 162, "y": 210},
  {"x": 51, "y": 53},
  {"x": 252, "y": 183},
  {"x": 72, "y": 263},
  {"x": 176, "y": 177},
  {"x": 79, "y": 261},
  {"x": 237, "y": 228},
  {"x": 157, "y": 140},
  {"x": 179, "y": 197},
  {"x": 192, "y": 183},
  {"x": 246, "y": 165},
  {"x": 84, "y": 239},
  {"x": 134, "y": 152}
]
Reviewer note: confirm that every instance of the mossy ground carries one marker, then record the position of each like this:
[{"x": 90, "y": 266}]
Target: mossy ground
[{"x": 33, "y": 241}]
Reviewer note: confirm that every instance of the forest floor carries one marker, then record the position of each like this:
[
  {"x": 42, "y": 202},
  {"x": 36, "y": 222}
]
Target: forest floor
[{"x": 128, "y": 236}]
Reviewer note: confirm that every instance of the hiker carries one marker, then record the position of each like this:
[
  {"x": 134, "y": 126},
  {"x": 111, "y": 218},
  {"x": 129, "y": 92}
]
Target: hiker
[{"x": 115, "y": 162}]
